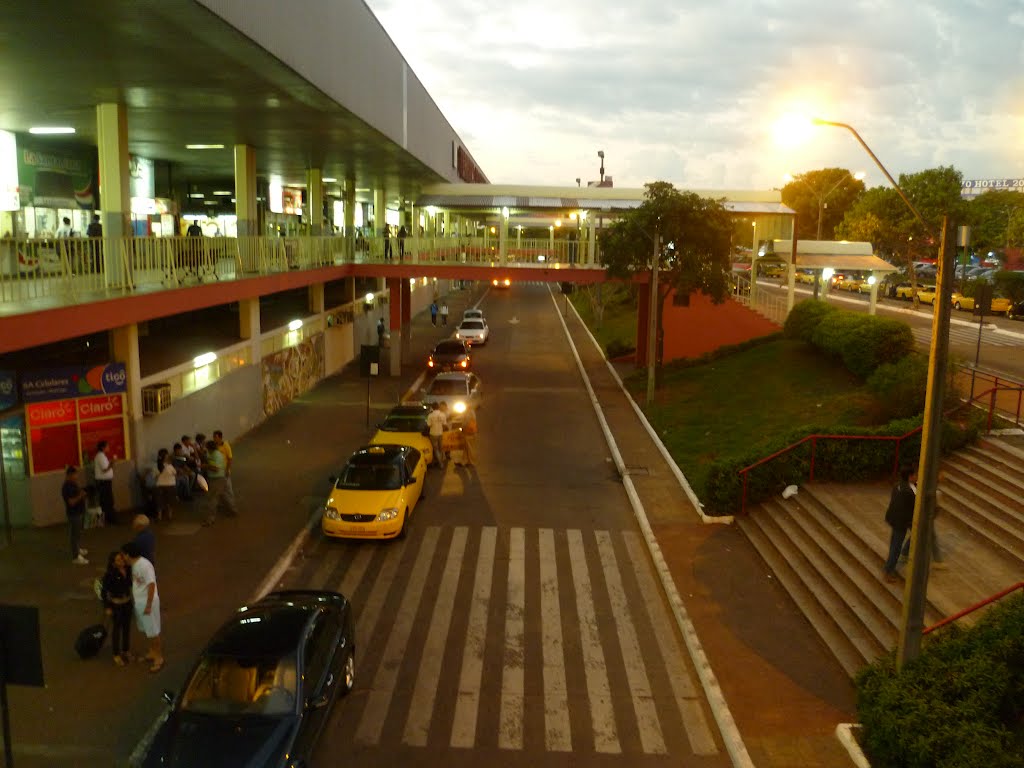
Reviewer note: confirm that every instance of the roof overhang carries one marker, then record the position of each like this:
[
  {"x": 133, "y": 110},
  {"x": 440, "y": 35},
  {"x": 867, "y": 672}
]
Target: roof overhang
[{"x": 844, "y": 261}]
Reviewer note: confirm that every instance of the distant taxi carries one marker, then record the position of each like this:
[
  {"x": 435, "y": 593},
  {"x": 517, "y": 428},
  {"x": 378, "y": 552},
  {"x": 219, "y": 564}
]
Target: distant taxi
[
  {"x": 926, "y": 294},
  {"x": 1000, "y": 305},
  {"x": 406, "y": 425},
  {"x": 375, "y": 494}
]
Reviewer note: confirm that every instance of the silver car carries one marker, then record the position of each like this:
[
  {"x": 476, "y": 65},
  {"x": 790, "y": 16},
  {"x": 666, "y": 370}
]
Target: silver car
[
  {"x": 473, "y": 332},
  {"x": 460, "y": 390}
]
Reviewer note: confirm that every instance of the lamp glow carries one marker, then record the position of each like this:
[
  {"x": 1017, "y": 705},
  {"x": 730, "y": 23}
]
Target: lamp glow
[
  {"x": 504, "y": 213},
  {"x": 827, "y": 273},
  {"x": 204, "y": 359},
  {"x": 369, "y": 298},
  {"x": 50, "y": 130},
  {"x": 294, "y": 325},
  {"x": 872, "y": 279}
]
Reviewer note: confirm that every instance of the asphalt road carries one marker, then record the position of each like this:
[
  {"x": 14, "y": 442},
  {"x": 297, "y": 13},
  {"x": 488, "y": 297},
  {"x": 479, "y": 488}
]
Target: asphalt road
[
  {"x": 1002, "y": 340},
  {"x": 519, "y": 624}
]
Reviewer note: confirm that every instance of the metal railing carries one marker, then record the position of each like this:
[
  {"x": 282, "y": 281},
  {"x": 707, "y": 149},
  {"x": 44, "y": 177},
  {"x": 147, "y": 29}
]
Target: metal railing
[
  {"x": 960, "y": 614},
  {"x": 1006, "y": 396},
  {"x": 76, "y": 269},
  {"x": 772, "y": 306}
]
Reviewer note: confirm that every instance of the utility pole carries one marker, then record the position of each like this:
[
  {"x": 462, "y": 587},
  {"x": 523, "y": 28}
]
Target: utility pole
[
  {"x": 916, "y": 590},
  {"x": 652, "y": 320}
]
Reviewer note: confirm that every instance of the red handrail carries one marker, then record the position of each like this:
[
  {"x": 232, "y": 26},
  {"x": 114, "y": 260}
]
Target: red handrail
[
  {"x": 973, "y": 608},
  {"x": 897, "y": 438}
]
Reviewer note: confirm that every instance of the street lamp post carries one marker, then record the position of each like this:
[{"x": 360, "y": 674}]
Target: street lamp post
[
  {"x": 823, "y": 198},
  {"x": 915, "y": 592},
  {"x": 600, "y": 154}
]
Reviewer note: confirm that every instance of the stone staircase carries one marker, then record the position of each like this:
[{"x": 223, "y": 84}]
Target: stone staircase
[{"x": 827, "y": 545}]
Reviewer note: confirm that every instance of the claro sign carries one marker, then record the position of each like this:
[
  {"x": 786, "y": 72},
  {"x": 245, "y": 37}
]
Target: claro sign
[{"x": 99, "y": 407}]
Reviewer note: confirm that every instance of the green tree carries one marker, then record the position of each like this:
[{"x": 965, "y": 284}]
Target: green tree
[
  {"x": 877, "y": 217},
  {"x": 997, "y": 220},
  {"x": 695, "y": 235},
  {"x": 828, "y": 194}
]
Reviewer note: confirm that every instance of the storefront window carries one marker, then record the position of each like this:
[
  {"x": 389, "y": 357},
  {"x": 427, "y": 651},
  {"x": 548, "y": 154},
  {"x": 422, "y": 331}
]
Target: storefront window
[
  {"x": 12, "y": 445},
  {"x": 63, "y": 432}
]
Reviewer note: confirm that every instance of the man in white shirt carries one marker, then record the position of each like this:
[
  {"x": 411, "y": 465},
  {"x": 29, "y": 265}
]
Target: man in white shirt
[
  {"x": 103, "y": 474},
  {"x": 437, "y": 421},
  {"x": 64, "y": 230},
  {"x": 146, "y": 600}
]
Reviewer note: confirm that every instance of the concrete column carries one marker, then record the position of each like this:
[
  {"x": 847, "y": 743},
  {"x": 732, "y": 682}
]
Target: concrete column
[
  {"x": 124, "y": 343},
  {"x": 349, "y": 197},
  {"x": 115, "y": 196},
  {"x": 446, "y": 218},
  {"x": 502, "y": 239},
  {"x": 249, "y": 326},
  {"x": 245, "y": 191},
  {"x": 406, "y": 320},
  {"x": 873, "y": 303},
  {"x": 394, "y": 285},
  {"x": 315, "y": 201},
  {"x": 379, "y": 211},
  {"x": 591, "y": 242},
  {"x": 412, "y": 243},
  {"x": 316, "y": 298},
  {"x": 753, "y": 268},
  {"x": 551, "y": 244}
]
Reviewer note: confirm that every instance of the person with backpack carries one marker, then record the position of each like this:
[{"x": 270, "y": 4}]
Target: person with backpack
[{"x": 116, "y": 594}]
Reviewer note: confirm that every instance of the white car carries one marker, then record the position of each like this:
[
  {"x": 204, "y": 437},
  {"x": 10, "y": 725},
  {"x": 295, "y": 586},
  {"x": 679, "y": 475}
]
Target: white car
[
  {"x": 473, "y": 332},
  {"x": 459, "y": 390},
  {"x": 473, "y": 314}
]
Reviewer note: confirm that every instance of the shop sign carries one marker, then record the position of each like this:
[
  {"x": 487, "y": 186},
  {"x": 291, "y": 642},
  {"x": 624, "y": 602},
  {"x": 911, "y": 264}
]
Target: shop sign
[
  {"x": 56, "y": 177},
  {"x": 972, "y": 187},
  {"x": 140, "y": 172},
  {"x": 291, "y": 201},
  {"x": 54, "y": 412},
  {"x": 8, "y": 390},
  {"x": 100, "y": 407},
  {"x": 57, "y": 383}
]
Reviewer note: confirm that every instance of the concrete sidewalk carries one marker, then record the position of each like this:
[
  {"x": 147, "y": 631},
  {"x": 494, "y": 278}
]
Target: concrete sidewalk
[{"x": 92, "y": 713}]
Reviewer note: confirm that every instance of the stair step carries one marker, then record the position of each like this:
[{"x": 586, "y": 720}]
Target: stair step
[
  {"x": 832, "y": 564},
  {"x": 1004, "y": 448},
  {"x": 823, "y": 622},
  {"x": 983, "y": 522},
  {"x": 1003, "y": 476},
  {"x": 984, "y": 492}
]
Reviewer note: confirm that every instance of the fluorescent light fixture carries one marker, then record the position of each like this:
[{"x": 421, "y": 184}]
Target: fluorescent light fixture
[
  {"x": 204, "y": 359},
  {"x": 196, "y": 194},
  {"x": 294, "y": 325},
  {"x": 328, "y": 179},
  {"x": 209, "y": 202},
  {"x": 204, "y": 146},
  {"x": 50, "y": 130},
  {"x": 360, "y": 189},
  {"x": 223, "y": 192},
  {"x": 369, "y": 298}
]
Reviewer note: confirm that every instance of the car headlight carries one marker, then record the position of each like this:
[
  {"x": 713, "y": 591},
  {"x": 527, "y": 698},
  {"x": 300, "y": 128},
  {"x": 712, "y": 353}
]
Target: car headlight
[
  {"x": 387, "y": 514},
  {"x": 430, "y": 362},
  {"x": 464, "y": 363},
  {"x": 458, "y": 335},
  {"x": 332, "y": 513},
  {"x": 494, "y": 282},
  {"x": 459, "y": 407}
]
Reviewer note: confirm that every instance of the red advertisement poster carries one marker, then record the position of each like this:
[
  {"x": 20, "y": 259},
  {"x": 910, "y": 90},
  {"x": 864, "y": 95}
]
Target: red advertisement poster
[
  {"x": 53, "y": 448},
  {"x": 53, "y": 412},
  {"x": 111, "y": 430},
  {"x": 100, "y": 407}
]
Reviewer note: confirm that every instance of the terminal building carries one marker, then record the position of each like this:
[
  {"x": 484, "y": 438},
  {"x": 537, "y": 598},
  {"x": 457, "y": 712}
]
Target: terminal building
[{"x": 207, "y": 205}]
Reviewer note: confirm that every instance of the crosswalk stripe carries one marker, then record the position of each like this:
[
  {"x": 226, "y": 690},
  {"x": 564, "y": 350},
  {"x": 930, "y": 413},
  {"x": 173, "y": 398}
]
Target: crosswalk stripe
[
  {"x": 422, "y": 706},
  {"x": 694, "y": 721},
  {"x": 468, "y": 701},
  {"x": 510, "y": 729},
  {"x": 356, "y": 570},
  {"x": 379, "y": 700},
  {"x": 327, "y": 564},
  {"x": 557, "y": 730},
  {"x": 367, "y": 618},
  {"x": 651, "y": 738},
  {"x": 602, "y": 713}
]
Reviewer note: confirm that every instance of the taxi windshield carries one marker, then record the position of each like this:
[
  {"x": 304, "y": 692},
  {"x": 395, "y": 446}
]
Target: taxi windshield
[
  {"x": 404, "y": 424},
  {"x": 447, "y": 387},
  {"x": 370, "y": 476}
]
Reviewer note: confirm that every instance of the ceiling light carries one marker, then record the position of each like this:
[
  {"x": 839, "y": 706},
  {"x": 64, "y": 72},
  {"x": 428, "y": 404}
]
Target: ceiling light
[
  {"x": 209, "y": 202},
  {"x": 204, "y": 359},
  {"x": 204, "y": 146},
  {"x": 360, "y": 189},
  {"x": 51, "y": 130},
  {"x": 294, "y": 325},
  {"x": 223, "y": 192},
  {"x": 196, "y": 194},
  {"x": 329, "y": 179}
]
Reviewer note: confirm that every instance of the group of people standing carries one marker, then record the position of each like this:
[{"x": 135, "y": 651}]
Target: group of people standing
[
  {"x": 439, "y": 422},
  {"x": 441, "y": 310},
  {"x": 195, "y": 466},
  {"x": 402, "y": 234}
]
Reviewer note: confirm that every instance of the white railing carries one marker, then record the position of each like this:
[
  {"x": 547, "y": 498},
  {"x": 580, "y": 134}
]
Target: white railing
[{"x": 772, "y": 306}]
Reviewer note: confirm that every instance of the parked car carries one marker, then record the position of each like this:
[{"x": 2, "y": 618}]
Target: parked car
[
  {"x": 263, "y": 687},
  {"x": 904, "y": 290},
  {"x": 450, "y": 355},
  {"x": 853, "y": 283},
  {"x": 926, "y": 294},
  {"x": 501, "y": 282},
  {"x": 1000, "y": 305},
  {"x": 807, "y": 276},
  {"x": 473, "y": 332},
  {"x": 406, "y": 425},
  {"x": 460, "y": 391},
  {"x": 375, "y": 493},
  {"x": 1016, "y": 311},
  {"x": 772, "y": 269}
]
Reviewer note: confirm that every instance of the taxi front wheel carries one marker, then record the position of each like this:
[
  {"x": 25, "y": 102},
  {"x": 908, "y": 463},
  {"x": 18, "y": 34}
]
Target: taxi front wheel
[{"x": 405, "y": 526}]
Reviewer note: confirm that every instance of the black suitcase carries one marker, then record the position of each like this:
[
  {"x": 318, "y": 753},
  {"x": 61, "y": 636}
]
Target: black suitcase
[{"x": 90, "y": 640}]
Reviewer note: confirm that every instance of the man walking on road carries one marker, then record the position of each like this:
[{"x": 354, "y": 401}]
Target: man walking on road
[
  {"x": 437, "y": 421},
  {"x": 900, "y": 516},
  {"x": 444, "y": 313},
  {"x": 216, "y": 478},
  {"x": 433, "y": 312},
  {"x": 229, "y": 458}
]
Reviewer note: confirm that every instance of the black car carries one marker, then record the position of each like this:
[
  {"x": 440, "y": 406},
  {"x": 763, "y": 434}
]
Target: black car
[
  {"x": 450, "y": 355},
  {"x": 264, "y": 686},
  {"x": 1016, "y": 311}
]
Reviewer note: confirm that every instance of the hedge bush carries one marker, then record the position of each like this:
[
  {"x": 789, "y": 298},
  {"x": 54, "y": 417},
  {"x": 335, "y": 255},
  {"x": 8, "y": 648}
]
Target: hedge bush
[
  {"x": 960, "y": 704},
  {"x": 835, "y": 460},
  {"x": 900, "y": 388},
  {"x": 804, "y": 317}
]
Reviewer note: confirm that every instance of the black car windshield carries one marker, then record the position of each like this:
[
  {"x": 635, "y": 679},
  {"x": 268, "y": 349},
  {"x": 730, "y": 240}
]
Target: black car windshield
[
  {"x": 444, "y": 387},
  {"x": 232, "y": 685},
  {"x": 370, "y": 476},
  {"x": 450, "y": 348},
  {"x": 404, "y": 424},
  {"x": 472, "y": 325}
]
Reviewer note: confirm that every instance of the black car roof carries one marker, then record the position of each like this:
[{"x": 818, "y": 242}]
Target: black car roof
[
  {"x": 450, "y": 345},
  {"x": 263, "y": 630}
]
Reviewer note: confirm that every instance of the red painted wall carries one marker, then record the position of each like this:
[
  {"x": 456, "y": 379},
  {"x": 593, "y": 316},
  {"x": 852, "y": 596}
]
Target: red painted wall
[{"x": 704, "y": 327}]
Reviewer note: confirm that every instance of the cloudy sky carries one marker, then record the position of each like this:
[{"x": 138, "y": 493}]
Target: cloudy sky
[{"x": 690, "y": 91}]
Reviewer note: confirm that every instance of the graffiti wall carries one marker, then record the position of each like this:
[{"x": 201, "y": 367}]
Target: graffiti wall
[{"x": 287, "y": 374}]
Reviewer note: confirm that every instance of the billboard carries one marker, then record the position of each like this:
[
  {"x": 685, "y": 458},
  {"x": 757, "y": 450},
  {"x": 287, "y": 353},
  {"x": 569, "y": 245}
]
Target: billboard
[
  {"x": 59, "y": 383},
  {"x": 57, "y": 176},
  {"x": 975, "y": 187}
]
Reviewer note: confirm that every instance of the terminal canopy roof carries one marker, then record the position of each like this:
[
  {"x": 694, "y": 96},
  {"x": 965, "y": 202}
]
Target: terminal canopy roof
[{"x": 839, "y": 254}]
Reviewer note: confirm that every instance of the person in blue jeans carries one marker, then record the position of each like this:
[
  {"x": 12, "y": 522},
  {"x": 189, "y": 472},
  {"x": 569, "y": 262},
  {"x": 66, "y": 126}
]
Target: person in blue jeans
[{"x": 900, "y": 517}]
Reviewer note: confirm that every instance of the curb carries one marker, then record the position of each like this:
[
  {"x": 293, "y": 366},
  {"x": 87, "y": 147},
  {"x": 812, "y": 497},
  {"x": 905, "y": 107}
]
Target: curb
[
  {"x": 712, "y": 690},
  {"x": 844, "y": 732},
  {"x": 683, "y": 482}
]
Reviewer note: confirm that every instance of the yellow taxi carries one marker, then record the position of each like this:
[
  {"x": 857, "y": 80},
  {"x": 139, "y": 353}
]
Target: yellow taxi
[
  {"x": 375, "y": 493},
  {"x": 807, "y": 276},
  {"x": 1000, "y": 305},
  {"x": 853, "y": 283},
  {"x": 406, "y": 425},
  {"x": 773, "y": 270},
  {"x": 904, "y": 291},
  {"x": 926, "y": 294}
]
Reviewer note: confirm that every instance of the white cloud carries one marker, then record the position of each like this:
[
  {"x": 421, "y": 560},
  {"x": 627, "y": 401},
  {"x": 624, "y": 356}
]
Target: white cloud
[{"x": 688, "y": 91}]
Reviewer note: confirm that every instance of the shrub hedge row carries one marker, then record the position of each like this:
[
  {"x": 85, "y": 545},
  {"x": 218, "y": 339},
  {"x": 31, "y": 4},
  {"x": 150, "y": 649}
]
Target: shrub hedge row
[
  {"x": 863, "y": 342},
  {"x": 960, "y": 704},
  {"x": 835, "y": 460}
]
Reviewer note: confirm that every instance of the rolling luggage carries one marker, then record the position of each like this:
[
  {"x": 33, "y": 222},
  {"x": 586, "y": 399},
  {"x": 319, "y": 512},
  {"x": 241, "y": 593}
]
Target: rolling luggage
[{"x": 90, "y": 640}]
